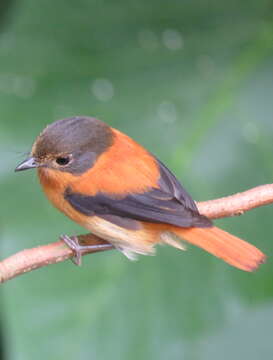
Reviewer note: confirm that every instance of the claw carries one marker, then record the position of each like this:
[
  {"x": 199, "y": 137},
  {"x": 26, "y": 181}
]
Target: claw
[{"x": 73, "y": 243}]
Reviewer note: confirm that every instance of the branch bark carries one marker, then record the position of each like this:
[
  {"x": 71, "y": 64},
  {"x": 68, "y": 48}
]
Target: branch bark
[{"x": 31, "y": 259}]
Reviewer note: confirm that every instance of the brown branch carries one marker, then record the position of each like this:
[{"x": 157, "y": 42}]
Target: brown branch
[
  {"x": 237, "y": 204},
  {"x": 31, "y": 259}
]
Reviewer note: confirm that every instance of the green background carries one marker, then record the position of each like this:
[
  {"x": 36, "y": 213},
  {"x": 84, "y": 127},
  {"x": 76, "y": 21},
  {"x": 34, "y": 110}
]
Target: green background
[{"x": 193, "y": 82}]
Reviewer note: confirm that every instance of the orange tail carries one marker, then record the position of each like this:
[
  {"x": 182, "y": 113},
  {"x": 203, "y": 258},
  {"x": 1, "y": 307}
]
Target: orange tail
[{"x": 231, "y": 249}]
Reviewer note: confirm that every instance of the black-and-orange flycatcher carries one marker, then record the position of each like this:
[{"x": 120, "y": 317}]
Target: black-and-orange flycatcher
[{"x": 112, "y": 186}]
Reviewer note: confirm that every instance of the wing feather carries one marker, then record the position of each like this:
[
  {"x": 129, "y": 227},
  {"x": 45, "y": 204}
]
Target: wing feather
[{"x": 170, "y": 204}]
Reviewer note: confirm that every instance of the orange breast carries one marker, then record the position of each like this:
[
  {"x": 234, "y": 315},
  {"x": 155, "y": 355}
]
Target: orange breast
[{"x": 54, "y": 184}]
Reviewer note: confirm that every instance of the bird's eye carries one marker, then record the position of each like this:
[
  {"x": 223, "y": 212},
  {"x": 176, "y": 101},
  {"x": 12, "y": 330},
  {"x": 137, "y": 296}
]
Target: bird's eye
[{"x": 63, "y": 160}]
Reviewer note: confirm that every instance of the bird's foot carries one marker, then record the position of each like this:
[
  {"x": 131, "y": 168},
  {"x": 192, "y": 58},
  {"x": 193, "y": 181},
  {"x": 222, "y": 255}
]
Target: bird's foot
[{"x": 74, "y": 243}]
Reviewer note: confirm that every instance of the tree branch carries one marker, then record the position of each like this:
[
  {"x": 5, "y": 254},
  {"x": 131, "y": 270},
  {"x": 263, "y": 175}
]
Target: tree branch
[
  {"x": 237, "y": 204},
  {"x": 31, "y": 259}
]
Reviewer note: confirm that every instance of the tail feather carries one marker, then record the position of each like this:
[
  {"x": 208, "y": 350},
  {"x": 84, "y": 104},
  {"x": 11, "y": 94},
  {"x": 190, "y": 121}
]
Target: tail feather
[{"x": 229, "y": 248}]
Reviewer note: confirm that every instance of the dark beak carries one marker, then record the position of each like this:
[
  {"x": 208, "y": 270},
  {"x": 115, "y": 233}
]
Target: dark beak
[{"x": 29, "y": 163}]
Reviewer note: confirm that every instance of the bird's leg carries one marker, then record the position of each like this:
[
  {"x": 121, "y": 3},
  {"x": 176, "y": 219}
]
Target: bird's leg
[{"x": 83, "y": 244}]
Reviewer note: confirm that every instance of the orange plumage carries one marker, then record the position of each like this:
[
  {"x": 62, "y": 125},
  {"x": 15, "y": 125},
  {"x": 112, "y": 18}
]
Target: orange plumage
[
  {"x": 111, "y": 185},
  {"x": 115, "y": 170}
]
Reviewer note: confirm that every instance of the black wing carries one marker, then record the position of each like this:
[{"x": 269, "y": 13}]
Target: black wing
[{"x": 169, "y": 204}]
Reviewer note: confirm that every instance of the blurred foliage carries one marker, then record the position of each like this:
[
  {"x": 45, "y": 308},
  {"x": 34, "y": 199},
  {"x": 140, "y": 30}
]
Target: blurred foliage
[{"x": 192, "y": 81}]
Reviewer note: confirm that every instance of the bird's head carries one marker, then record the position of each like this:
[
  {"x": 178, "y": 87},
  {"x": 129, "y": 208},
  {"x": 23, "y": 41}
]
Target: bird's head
[{"x": 70, "y": 145}]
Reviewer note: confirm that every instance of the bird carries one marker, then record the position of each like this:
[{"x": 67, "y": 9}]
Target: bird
[{"x": 116, "y": 189}]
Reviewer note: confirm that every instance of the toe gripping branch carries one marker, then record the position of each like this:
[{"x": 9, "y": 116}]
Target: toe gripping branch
[{"x": 84, "y": 244}]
